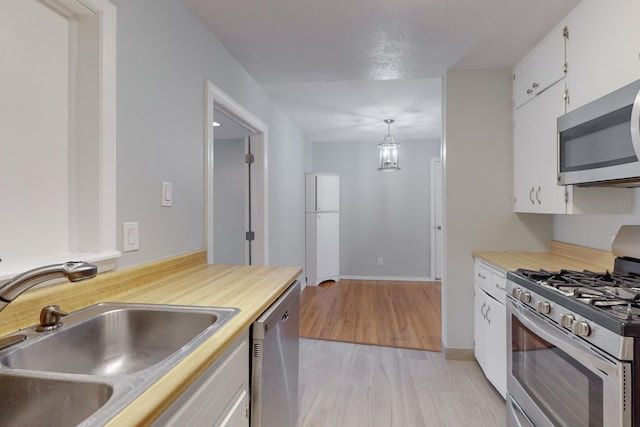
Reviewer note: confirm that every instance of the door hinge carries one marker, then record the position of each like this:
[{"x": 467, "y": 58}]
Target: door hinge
[
  {"x": 565, "y": 68},
  {"x": 565, "y": 95},
  {"x": 250, "y": 236},
  {"x": 566, "y": 196},
  {"x": 249, "y": 158},
  {"x": 246, "y": 411},
  {"x": 565, "y": 32}
]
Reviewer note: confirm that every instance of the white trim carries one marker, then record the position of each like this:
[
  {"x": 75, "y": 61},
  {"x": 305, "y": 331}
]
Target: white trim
[
  {"x": 213, "y": 94},
  {"x": 433, "y": 207},
  {"x": 92, "y": 158},
  {"x": 390, "y": 278}
]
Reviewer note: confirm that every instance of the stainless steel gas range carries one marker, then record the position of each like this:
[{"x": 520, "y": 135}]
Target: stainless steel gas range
[{"x": 574, "y": 344}]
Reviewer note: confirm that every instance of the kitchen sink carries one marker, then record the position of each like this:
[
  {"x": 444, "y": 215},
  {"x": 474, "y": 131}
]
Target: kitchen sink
[
  {"x": 32, "y": 401},
  {"x": 110, "y": 339},
  {"x": 100, "y": 359}
]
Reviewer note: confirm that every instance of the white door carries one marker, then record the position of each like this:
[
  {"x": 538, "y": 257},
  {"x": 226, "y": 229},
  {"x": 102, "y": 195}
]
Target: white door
[{"x": 436, "y": 218}]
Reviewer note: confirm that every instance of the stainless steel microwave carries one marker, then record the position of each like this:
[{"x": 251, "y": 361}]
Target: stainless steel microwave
[{"x": 599, "y": 143}]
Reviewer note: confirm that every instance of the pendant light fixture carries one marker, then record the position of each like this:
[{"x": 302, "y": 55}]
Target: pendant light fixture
[{"x": 389, "y": 160}]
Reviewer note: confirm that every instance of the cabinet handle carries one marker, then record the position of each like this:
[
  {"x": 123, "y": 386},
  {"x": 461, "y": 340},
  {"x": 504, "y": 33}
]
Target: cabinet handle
[
  {"x": 486, "y": 314},
  {"x": 480, "y": 275},
  {"x": 529, "y": 91},
  {"x": 538, "y": 195},
  {"x": 535, "y": 85},
  {"x": 482, "y": 310},
  {"x": 500, "y": 287},
  {"x": 531, "y": 196}
]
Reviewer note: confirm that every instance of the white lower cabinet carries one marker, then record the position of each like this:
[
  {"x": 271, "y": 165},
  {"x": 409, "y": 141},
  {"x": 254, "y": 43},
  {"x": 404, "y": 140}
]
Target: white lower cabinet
[
  {"x": 220, "y": 397},
  {"x": 490, "y": 325},
  {"x": 322, "y": 247}
]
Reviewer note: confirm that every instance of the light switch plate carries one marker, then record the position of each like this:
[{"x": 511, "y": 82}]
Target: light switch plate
[
  {"x": 130, "y": 238},
  {"x": 167, "y": 196}
]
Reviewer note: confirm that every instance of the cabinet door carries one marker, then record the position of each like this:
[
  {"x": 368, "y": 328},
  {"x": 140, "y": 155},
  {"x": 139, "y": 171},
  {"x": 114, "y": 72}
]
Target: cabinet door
[
  {"x": 480, "y": 332},
  {"x": 535, "y": 154},
  {"x": 524, "y": 170},
  {"x": 328, "y": 193},
  {"x": 602, "y": 49},
  {"x": 540, "y": 68},
  {"x": 220, "y": 397},
  {"x": 327, "y": 245},
  {"x": 496, "y": 318}
]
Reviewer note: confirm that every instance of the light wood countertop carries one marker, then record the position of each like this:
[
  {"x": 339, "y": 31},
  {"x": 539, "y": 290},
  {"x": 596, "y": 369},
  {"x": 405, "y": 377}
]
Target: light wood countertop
[
  {"x": 560, "y": 256},
  {"x": 181, "y": 280}
]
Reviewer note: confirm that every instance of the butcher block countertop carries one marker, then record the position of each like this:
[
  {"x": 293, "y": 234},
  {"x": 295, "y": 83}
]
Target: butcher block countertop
[
  {"x": 560, "y": 256},
  {"x": 182, "y": 280}
]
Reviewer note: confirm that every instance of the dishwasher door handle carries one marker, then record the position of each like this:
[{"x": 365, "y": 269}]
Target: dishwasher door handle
[{"x": 285, "y": 317}]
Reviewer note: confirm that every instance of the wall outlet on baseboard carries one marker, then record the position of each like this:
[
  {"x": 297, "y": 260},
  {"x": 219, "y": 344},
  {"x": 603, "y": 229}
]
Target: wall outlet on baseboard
[{"x": 380, "y": 261}]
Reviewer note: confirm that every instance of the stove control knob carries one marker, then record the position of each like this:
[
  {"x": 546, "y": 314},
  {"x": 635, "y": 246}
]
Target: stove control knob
[
  {"x": 544, "y": 307},
  {"x": 515, "y": 292},
  {"x": 581, "y": 329},
  {"x": 525, "y": 297},
  {"x": 566, "y": 321}
]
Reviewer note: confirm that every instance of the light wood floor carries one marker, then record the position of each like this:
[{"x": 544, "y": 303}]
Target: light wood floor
[
  {"x": 392, "y": 314},
  {"x": 352, "y": 385}
]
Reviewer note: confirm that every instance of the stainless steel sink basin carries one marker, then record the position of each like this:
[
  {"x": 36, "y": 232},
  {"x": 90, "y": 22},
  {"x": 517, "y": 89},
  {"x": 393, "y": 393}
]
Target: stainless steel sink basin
[
  {"x": 32, "y": 401},
  {"x": 108, "y": 354},
  {"x": 111, "y": 339}
]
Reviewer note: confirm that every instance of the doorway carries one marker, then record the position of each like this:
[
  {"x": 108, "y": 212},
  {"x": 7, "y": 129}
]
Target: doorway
[
  {"x": 234, "y": 191},
  {"x": 236, "y": 194}
]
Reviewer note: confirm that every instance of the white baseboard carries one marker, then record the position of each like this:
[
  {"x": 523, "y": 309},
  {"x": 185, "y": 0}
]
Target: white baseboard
[{"x": 390, "y": 278}]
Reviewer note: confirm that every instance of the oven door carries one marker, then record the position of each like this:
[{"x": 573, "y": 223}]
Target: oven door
[{"x": 556, "y": 379}]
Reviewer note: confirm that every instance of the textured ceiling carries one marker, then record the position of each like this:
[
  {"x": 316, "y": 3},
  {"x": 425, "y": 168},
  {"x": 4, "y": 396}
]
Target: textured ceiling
[{"x": 340, "y": 67}]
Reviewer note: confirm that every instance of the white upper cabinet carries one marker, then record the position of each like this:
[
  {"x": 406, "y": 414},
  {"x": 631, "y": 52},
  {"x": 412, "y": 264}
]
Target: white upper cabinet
[
  {"x": 535, "y": 154},
  {"x": 540, "y": 68},
  {"x": 603, "y": 49},
  {"x": 322, "y": 192},
  {"x": 540, "y": 89}
]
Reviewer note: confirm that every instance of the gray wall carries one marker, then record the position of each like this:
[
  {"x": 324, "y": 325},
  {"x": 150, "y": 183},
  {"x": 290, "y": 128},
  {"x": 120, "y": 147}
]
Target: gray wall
[
  {"x": 383, "y": 214},
  {"x": 596, "y": 231},
  {"x": 165, "y": 54},
  {"x": 478, "y": 159}
]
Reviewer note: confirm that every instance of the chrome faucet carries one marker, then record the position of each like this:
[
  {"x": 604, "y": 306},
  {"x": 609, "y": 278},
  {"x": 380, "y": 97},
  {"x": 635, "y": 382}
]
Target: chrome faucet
[{"x": 74, "y": 271}]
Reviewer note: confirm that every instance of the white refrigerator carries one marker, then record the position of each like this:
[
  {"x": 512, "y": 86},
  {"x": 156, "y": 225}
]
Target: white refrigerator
[{"x": 322, "y": 227}]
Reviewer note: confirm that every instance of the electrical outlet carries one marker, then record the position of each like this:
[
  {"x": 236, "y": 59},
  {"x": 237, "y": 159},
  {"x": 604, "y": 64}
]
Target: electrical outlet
[{"x": 380, "y": 261}]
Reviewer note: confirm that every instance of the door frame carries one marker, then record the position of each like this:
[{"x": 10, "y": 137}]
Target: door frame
[
  {"x": 214, "y": 95},
  {"x": 436, "y": 169}
]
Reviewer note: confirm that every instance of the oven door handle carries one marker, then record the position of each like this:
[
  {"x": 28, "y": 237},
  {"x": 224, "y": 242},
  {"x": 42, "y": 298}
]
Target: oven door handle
[{"x": 568, "y": 346}]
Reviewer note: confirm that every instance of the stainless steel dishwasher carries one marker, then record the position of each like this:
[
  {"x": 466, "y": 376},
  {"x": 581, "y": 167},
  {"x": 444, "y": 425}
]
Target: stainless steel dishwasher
[{"x": 274, "y": 362}]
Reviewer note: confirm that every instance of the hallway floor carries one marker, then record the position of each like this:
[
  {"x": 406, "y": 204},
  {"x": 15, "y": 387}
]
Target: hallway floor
[{"x": 352, "y": 385}]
